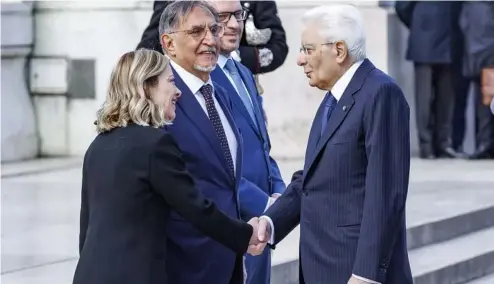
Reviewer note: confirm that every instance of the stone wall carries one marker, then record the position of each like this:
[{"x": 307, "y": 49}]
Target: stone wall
[{"x": 19, "y": 135}]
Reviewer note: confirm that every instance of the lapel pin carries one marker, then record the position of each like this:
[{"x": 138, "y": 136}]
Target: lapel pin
[{"x": 344, "y": 108}]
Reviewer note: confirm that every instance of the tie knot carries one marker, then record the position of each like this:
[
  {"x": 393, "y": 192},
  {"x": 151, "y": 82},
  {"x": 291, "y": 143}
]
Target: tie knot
[
  {"x": 230, "y": 66},
  {"x": 330, "y": 100},
  {"x": 207, "y": 90}
]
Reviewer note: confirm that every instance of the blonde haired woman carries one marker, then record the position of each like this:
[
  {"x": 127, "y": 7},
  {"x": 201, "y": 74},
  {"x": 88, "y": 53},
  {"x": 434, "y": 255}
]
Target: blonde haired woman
[{"x": 133, "y": 175}]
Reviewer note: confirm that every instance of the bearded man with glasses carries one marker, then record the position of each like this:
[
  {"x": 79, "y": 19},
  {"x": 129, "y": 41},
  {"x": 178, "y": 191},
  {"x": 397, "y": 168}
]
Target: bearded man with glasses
[
  {"x": 208, "y": 138},
  {"x": 261, "y": 182},
  {"x": 263, "y": 47}
]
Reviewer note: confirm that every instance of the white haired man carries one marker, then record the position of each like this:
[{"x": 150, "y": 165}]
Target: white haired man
[{"x": 350, "y": 197}]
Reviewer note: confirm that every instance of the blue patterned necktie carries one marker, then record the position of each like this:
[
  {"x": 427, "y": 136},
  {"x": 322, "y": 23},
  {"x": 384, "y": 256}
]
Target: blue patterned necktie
[
  {"x": 329, "y": 105},
  {"x": 214, "y": 117},
  {"x": 244, "y": 96}
]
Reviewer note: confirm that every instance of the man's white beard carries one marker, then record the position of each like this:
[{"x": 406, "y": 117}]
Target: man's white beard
[{"x": 204, "y": 68}]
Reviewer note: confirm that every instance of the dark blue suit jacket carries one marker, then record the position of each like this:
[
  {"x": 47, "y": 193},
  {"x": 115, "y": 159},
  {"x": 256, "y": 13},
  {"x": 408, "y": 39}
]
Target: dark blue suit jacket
[
  {"x": 350, "y": 197},
  {"x": 435, "y": 36},
  {"x": 260, "y": 174},
  {"x": 193, "y": 257}
]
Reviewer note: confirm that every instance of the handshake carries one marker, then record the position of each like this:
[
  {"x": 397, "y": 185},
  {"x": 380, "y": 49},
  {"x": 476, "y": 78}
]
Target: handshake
[{"x": 260, "y": 235}]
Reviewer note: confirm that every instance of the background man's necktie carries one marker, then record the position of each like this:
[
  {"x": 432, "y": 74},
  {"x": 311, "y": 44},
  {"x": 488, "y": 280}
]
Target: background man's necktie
[
  {"x": 329, "y": 105},
  {"x": 207, "y": 92},
  {"x": 232, "y": 69}
]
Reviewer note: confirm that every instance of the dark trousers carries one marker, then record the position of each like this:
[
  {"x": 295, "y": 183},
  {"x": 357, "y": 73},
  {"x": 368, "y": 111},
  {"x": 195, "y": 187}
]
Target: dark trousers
[
  {"x": 238, "y": 271},
  {"x": 434, "y": 101},
  {"x": 462, "y": 86},
  {"x": 259, "y": 268}
]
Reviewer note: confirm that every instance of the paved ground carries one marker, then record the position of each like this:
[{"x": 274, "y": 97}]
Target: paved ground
[{"x": 40, "y": 211}]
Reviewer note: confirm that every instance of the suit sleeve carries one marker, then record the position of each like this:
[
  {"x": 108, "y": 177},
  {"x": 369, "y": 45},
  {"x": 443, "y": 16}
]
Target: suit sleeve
[
  {"x": 404, "y": 11},
  {"x": 276, "y": 179},
  {"x": 285, "y": 212},
  {"x": 150, "y": 38},
  {"x": 84, "y": 214},
  {"x": 387, "y": 142},
  {"x": 266, "y": 16},
  {"x": 253, "y": 200},
  {"x": 170, "y": 179}
]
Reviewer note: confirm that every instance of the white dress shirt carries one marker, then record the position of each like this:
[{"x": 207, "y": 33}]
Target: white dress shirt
[
  {"x": 222, "y": 64},
  {"x": 337, "y": 91},
  {"x": 194, "y": 84}
]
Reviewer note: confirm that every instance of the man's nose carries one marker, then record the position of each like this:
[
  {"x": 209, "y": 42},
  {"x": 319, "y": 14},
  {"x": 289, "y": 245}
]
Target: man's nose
[
  {"x": 209, "y": 39},
  {"x": 301, "y": 59},
  {"x": 232, "y": 23}
]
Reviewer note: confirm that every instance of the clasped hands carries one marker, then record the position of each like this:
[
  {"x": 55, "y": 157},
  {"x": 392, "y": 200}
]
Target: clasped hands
[{"x": 261, "y": 234}]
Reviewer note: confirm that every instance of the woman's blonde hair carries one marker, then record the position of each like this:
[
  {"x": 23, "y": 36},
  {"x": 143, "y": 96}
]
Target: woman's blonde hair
[{"x": 128, "y": 98}]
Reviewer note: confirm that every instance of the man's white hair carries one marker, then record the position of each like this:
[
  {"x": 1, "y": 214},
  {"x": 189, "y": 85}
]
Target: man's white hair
[{"x": 340, "y": 23}]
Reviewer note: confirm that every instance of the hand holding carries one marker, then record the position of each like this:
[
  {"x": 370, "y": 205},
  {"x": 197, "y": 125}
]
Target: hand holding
[
  {"x": 256, "y": 247},
  {"x": 255, "y": 250},
  {"x": 254, "y": 222},
  {"x": 263, "y": 230}
]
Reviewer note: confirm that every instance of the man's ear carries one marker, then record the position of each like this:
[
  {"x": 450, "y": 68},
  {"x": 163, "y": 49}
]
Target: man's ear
[
  {"x": 341, "y": 51},
  {"x": 168, "y": 44}
]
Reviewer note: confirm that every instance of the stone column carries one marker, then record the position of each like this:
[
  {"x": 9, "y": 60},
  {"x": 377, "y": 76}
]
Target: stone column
[
  {"x": 19, "y": 134},
  {"x": 77, "y": 45}
]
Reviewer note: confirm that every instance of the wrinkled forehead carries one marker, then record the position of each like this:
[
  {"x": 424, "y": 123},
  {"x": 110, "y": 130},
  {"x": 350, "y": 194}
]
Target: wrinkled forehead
[
  {"x": 198, "y": 17},
  {"x": 311, "y": 34}
]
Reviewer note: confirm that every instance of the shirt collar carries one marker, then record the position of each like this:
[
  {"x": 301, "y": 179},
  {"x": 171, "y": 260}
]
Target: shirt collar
[
  {"x": 342, "y": 83},
  {"x": 192, "y": 81},
  {"x": 222, "y": 61}
]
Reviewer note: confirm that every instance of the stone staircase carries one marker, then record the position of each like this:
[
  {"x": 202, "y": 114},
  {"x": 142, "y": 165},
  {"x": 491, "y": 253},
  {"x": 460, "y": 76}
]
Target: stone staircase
[
  {"x": 453, "y": 250},
  {"x": 450, "y": 233}
]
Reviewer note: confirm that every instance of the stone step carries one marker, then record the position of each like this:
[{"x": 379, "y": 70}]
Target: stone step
[
  {"x": 426, "y": 237},
  {"x": 488, "y": 279},
  {"x": 449, "y": 227},
  {"x": 432, "y": 217},
  {"x": 449, "y": 202},
  {"x": 454, "y": 261}
]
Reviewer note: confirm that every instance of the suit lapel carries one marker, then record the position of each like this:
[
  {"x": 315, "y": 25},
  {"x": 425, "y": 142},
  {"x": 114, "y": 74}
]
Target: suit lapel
[
  {"x": 219, "y": 76},
  {"x": 314, "y": 135},
  {"x": 222, "y": 100},
  {"x": 252, "y": 92},
  {"x": 193, "y": 110},
  {"x": 342, "y": 109}
]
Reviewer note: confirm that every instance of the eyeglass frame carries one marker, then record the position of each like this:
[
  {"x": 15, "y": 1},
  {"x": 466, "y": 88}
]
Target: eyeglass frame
[
  {"x": 204, "y": 27},
  {"x": 304, "y": 49},
  {"x": 245, "y": 11}
]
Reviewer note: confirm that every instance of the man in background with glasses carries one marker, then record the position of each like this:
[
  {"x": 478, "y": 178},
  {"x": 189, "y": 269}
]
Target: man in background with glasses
[
  {"x": 263, "y": 46},
  {"x": 209, "y": 140},
  {"x": 261, "y": 181}
]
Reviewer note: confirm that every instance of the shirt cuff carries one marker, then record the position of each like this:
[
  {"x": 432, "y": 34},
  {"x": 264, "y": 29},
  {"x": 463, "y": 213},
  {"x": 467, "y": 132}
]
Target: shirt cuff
[
  {"x": 271, "y": 238},
  {"x": 364, "y": 279},
  {"x": 269, "y": 203}
]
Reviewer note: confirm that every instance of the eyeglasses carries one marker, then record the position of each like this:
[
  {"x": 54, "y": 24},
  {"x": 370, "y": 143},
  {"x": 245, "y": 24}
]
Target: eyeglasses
[
  {"x": 240, "y": 15},
  {"x": 199, "y": 32},
  {"x": 308, "y": 49}
]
